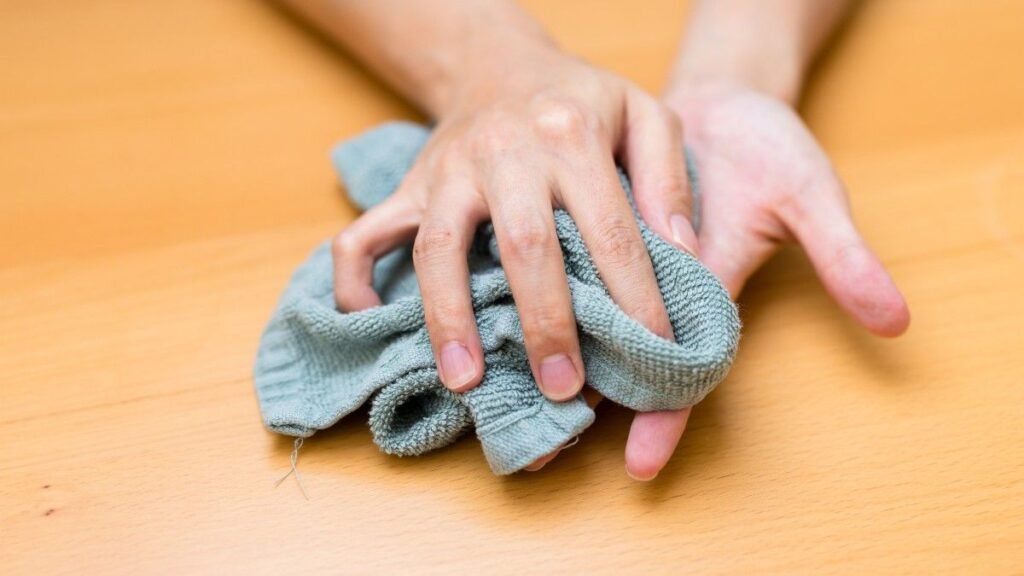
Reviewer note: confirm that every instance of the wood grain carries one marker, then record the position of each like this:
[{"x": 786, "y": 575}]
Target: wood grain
[{"x": 163, "y": 169}]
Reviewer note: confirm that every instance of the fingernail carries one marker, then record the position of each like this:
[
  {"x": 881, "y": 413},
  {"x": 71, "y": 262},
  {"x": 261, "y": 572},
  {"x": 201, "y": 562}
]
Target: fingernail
[
  {"x": 682, "y": 233},
  {"x": 558, "y": 377},
  {"x": 457, "y": 366},
  {"x": 640, "y": 478}
]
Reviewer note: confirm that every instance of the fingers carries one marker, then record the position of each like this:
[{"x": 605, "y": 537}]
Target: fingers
[
  {"x": 543, "y": 461},
  {"x": 653, "y": 438},
  {"x": 851, "y": 273},
  {"x": 594, "y": 197},
  {"x": 442, "y": 271},
  {"x": 523, "y": 220},
  {"x": 355, "y": 249},
  {"x": 654, "y": 159},
  {"x": 613, "y": 238}
]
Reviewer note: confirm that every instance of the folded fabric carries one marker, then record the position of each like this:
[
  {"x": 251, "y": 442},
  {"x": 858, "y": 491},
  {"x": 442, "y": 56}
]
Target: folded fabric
[{"x": 315, "y": 364}]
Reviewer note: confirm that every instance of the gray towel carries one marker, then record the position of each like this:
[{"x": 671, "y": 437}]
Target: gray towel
[{"x": 315, "y": 364}]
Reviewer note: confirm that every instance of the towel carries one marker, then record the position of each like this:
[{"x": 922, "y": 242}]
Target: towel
[{"x": 315, "y": 365}]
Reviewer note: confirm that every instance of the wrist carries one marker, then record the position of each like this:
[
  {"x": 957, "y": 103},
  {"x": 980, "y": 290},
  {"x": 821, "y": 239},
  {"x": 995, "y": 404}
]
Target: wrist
[
  {"x": 698, "y": 86},
  {"x": 508, "y": 72},
  {"x": 487, "y": 65},
  {"x": 758, "y": 46},
  {"x": 702, "y": 73}
]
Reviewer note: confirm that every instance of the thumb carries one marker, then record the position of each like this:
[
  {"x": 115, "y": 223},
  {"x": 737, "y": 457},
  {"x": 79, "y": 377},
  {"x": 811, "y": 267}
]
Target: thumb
[{"x": 851, "y": 273}]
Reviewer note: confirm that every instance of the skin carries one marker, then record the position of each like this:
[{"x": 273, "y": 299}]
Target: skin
[{"x": 523, "y": 128}]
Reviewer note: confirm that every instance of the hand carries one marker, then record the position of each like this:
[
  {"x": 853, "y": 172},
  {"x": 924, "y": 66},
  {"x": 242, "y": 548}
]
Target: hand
[
  {"x": 765, "y": 181},
  {"x": 543, "y": 135}
]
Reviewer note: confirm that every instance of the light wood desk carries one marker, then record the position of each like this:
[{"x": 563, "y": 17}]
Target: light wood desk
[{"x": 163, "y": 169}]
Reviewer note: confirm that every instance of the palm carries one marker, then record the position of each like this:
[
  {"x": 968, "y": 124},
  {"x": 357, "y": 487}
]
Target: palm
[
  {"x": 755, "y": 157},
  {"x": 765, "y": 180}
]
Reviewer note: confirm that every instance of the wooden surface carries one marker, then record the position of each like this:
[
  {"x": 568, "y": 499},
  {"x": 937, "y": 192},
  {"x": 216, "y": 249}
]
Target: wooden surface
[{"x": 163, "y": 169}]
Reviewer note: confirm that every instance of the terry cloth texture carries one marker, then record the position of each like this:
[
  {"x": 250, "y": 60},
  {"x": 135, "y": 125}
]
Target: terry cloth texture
[{"x": 315, "y": 364}]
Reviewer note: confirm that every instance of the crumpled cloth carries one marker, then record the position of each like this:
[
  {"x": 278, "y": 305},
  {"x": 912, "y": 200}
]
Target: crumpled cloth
[{"x": 316, "y": 365}]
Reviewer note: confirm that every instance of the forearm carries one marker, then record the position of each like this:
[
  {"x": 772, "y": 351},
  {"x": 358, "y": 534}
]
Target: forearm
[
  {"x": 767, "y": 45},
  {"x": 435, "y": 53}
]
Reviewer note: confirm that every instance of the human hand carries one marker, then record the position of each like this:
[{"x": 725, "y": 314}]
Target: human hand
[
  {"x": 765, "y": 181},
  {"x": 511, "y": 148}
]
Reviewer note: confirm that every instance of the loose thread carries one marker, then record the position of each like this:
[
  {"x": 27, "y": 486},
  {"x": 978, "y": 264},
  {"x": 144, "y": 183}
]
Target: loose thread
[
  {"x": 575, "y": 440},
  {"x": 294, "y": 470}
]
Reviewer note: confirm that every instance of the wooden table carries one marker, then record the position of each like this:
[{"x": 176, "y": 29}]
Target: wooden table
[{"x": 163, "y": 169}]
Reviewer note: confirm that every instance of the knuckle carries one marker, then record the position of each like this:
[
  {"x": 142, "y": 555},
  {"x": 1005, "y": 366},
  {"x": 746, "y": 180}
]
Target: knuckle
[
  {"x": 672, "y": 186},
  {"x": 435, "y": 239},
  {"x": 651, "y": 313},
  {"x": 547, "y": 325},
  {"x": 619, "y": 242},
  {"x": 560, "y": 121},
  {"x": 489, "y": 143},
  {"x": 527, "y": 239},
  {"x": 345, "y": 244},
  {"x": 497, "y": 137},
  {"x": 446, "y": 316},
  {"x": 448, "y": 161}
]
